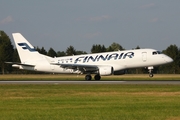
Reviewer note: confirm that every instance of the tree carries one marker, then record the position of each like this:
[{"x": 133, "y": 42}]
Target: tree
[
  {"x": 98, "y": 48},
  {"x": 174, "y": 53},
  {"x": 70, "y": 50},
  {"x": 6, "y": 52},
  {"x": 52, "y": 53},
  {"x": 60, "y": 54},
  {"x": 38, "y": 49},
  {"x": 138, "y": 47},
  {"x": 43, "y": 51},
  {"x": 114, "y": 47},
  {"x": 80, "y": 52},
  {"x": 16, "y": 56},
  {"x": 109, "y": 49},
  {"x": 103, "y": 48},
  {"x": 16, "y": 59}
]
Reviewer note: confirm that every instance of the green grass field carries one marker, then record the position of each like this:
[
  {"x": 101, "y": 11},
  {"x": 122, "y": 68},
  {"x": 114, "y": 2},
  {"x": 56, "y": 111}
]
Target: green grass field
[
  {"x": 82, "y": 77},
  {"x": 90, "y": 102}
]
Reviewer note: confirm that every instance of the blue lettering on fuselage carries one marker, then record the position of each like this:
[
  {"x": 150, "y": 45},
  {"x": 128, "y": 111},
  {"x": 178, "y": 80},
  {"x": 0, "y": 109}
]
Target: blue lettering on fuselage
[
  {"x": 91, "y": 58},
  {"x": 129, "y": 54},
  {"x": 106, "y": 57},
  {"x": 102, "y": 57},
  {"x": 79, "y": 59},
  {"x": 114, "y": 55}
]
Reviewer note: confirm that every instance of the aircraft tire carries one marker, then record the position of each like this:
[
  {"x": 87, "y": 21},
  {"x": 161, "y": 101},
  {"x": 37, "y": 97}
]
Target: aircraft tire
[
  {"x": 88, "y": 77},
  {"x": 97, "y": 77},
  {"x": 151, "y": 75}
]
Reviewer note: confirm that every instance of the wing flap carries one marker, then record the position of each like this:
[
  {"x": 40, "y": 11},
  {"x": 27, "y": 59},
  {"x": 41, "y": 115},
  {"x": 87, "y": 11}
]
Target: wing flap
[{"x": 73, "y": 65}]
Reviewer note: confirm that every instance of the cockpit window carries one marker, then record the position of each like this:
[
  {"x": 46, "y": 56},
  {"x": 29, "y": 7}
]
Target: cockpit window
[{"x": 156, "y": 52}]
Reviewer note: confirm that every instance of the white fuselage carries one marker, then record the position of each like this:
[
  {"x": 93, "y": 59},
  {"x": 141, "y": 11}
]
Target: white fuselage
[{"x": 119, "y": 60}]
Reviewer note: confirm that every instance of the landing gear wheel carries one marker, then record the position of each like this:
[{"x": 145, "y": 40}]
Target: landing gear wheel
[
  {"x": 151, "y": 75},
  {"x": 97, "y": 77},
  {"x": 150, "y": 71},
  {"x": 88, "y": 77}
]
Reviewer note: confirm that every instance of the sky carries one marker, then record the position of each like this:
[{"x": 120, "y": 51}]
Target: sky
[{"x": 58, "y": 24}]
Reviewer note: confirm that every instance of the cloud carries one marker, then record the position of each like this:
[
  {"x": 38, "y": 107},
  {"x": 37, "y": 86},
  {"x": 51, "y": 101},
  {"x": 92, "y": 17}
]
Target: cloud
[
  {"x": 100, "y": 18},
  {"x": 6, "y": 20},
  {"x": 154, "y": 20},
  {"x": 147, "y": 6}
]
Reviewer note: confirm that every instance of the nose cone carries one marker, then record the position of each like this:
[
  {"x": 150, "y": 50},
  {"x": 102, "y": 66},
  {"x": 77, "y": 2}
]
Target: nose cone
[{"x": 168, "y": 59}]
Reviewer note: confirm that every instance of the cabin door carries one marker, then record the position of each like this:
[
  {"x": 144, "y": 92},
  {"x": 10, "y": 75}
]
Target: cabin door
[{"x": 144, "y": 56}]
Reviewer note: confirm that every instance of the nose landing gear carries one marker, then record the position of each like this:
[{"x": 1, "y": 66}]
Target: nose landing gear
[
  {"x": 151, "y": 75},
  {"x": 150, "y": 71}
]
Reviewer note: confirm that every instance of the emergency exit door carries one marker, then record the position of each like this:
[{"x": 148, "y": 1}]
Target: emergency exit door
[{"x": 144, "y": 56}]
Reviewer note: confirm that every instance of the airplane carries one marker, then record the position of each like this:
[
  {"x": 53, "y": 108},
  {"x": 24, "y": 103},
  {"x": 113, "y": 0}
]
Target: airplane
[{"x": 100, "y": 64}]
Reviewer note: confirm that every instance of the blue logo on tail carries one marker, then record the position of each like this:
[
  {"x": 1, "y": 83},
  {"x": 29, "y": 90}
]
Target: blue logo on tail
[{"x": 25, "y": 46}]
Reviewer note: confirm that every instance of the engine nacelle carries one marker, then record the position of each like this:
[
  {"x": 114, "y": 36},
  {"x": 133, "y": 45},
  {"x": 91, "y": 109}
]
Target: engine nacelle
[
  {"x": 106, "y": 70},
  {"x": 120, "y": 72}
]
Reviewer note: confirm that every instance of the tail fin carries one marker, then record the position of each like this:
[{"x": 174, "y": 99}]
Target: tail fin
[{"x": 26, "y": 51}]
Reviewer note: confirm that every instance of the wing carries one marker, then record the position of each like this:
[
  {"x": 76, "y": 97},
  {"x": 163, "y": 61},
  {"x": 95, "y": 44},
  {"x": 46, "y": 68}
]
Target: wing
[{"x": 80, "y": 67}]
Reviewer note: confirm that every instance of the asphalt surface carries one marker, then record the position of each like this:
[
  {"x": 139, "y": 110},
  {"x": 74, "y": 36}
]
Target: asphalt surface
[{"x": 170, "y": 82}]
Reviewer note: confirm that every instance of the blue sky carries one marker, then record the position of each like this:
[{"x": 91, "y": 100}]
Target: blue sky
[{"x": 82, "y": 23}]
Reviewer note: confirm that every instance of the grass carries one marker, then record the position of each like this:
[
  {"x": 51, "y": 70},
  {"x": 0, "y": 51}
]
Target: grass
[
  {"x": 90, "y": 102},
  {"x": 82, "y": 77}
]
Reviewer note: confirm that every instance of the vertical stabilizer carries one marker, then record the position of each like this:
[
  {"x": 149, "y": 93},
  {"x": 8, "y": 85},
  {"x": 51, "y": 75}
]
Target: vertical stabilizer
[{"x": 26, "y": 51}]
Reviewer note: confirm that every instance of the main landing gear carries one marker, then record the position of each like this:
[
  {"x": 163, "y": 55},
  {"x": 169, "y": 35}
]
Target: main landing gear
[
  {"x": 89, "y": 77},
  {"x": 150, "y": 71}
]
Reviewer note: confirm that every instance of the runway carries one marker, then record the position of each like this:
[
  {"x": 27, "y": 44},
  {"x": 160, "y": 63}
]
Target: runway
[{"x": 176, "y": 82}]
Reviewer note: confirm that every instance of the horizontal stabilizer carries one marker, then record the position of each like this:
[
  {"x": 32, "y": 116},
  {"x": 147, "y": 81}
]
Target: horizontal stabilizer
[{"x": 16, "y": 63}]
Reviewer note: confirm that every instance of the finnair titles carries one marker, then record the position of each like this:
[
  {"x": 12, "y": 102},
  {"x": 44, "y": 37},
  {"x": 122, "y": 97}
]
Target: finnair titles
[{"x": 96, "y": 58}]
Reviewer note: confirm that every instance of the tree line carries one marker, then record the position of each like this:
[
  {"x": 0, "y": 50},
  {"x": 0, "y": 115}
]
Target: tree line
[{"x": 9, "y": 53}]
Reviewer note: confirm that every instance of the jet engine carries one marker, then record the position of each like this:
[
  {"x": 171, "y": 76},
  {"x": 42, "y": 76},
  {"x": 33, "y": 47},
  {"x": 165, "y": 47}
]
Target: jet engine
[{"x": 105, "y": 70}]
